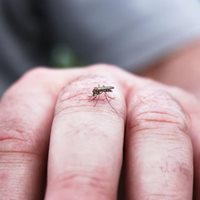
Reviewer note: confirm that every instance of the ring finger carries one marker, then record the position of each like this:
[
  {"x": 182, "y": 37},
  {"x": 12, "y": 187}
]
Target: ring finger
[{"x": 159, "y": 152}]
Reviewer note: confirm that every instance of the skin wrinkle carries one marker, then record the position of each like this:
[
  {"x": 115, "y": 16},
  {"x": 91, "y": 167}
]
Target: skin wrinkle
[
  {"x": 13, "y": 127},
  {"x": 150, "y": 124},
  {"x": 68, "y": 179},
  {"x": 15, "y": 158},
  {"x": 81, "y": 91},
  {"x": 157, "y": 196},
  {"x": 64, "y": 107},
  {"x": 18, "y": 133},
  {"x": 145, "y": 126},
  {"x": 7, "y": 122},
  {"x": 19, "y": 122},
  {"x": 164, "y": 117},
  {"x": 21, "y": 153},
  {"x": 173, "y": 92},
  {"x": 21, "y": 138},
  {"x": 149, "y": 108},
  {"x": 154, "y": 124},
  {"x": 18, "y": 140},
  {"x": 5, "y": 138},
  {"x": 157, "y": 112},
  {"x": 77, "y": 179}
]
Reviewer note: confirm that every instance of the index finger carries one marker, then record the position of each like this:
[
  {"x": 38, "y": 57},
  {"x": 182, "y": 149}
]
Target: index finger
[{"x": 26, "y": 113}]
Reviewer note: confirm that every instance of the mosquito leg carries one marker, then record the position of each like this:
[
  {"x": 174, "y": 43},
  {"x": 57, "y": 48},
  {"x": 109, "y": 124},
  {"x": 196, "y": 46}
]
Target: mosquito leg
[
  {"x": 109, "y": 96},
  {"x": 97, "y": 100},
  {"x": 106, "y": 96},
  {"x": 92, "y": 98}
]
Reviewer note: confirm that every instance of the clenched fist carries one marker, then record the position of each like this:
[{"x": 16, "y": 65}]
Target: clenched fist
[{"x": 56, "y": 142}]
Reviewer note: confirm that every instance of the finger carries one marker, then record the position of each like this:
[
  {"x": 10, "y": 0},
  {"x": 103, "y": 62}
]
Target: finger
[
  {"x": 26, "y": 112},
  {"x": 86, "y": 144},
  {"x": 159, "y": 156},
  {"x": 192, "y": 106}
]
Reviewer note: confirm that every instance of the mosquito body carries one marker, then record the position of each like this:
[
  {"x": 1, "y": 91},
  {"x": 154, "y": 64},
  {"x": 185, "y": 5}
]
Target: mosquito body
[
  {"x": 97, "y": 91},
  {"x": 101, "y": 89}
]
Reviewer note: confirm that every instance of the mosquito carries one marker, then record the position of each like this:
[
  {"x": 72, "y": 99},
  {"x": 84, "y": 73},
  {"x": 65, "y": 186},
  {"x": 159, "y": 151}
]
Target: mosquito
[{"x": 97, "y": 91}]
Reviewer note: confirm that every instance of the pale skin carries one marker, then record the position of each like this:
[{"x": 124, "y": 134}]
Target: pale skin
[{"x": 54, "y": 144}]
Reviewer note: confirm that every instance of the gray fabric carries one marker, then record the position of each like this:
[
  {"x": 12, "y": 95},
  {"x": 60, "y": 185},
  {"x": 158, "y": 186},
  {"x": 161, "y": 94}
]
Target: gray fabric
[
  {"x": 128, "y": 33},
  {"x": 22, "y": 41}
]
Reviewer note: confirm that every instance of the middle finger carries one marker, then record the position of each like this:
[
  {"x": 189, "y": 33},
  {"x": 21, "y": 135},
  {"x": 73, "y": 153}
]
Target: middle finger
[{"x": 86, "y": 144}]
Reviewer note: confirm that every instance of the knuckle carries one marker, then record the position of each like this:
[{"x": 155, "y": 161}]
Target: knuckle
[
  {"x": 36, "y": 73},
  {"x": 159, "y": 110},
  {"x": 82, "y": 181},
  {"x": 28, "y": 83},
  {"x": 78, "y": 96},
  {"x": 13, "y": 138},
  {"x": 71, "y": 98},
  {"x": 102, "y": 67},
  {"x": 163, "y": 196},
  {"x": 15, "y": 152}
]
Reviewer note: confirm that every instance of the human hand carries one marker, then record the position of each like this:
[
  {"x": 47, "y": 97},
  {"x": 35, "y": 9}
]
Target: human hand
[{"x": 48, "y": 113}]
